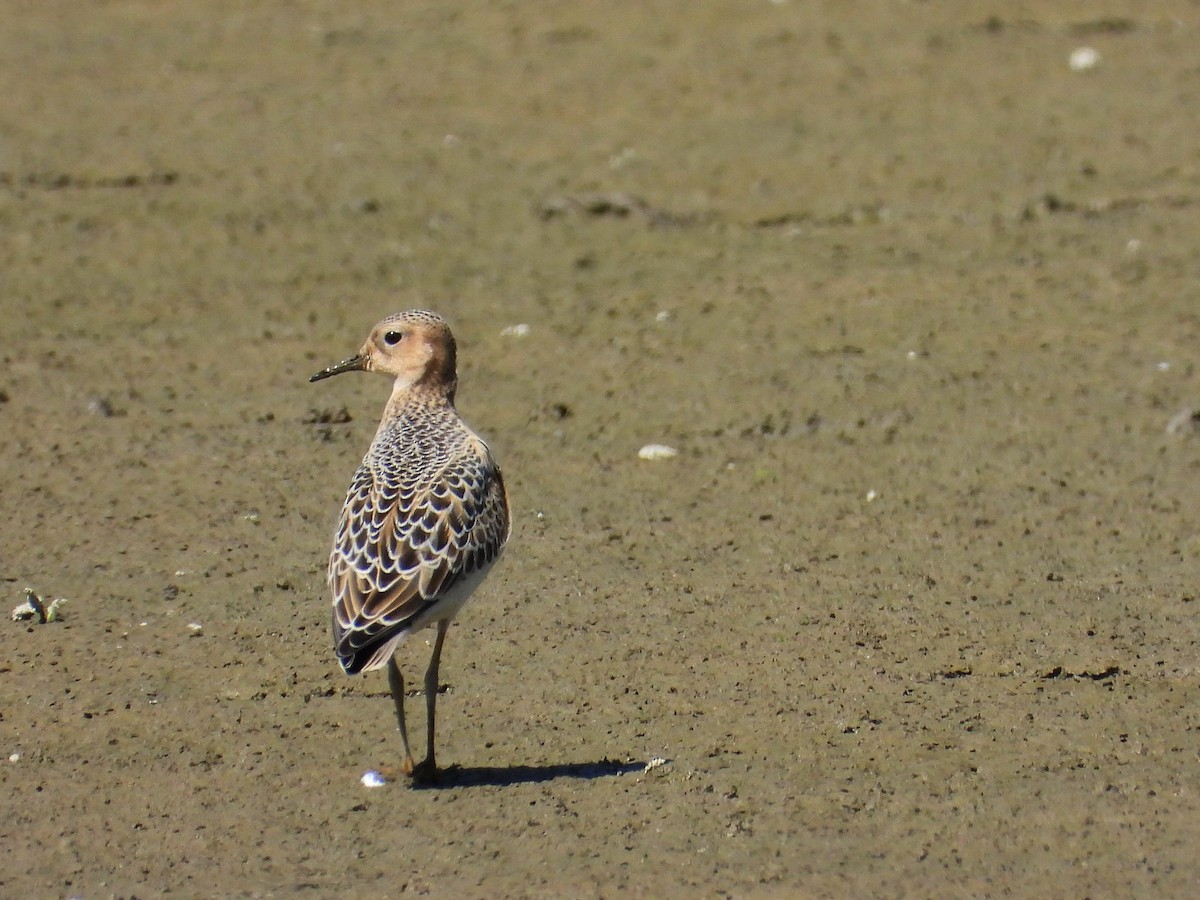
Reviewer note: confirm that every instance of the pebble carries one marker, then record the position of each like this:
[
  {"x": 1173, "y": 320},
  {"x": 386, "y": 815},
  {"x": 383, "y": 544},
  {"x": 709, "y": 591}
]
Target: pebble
[
  {"x": 1083, "y": 58},
  {"x": 657, "y": 451}
]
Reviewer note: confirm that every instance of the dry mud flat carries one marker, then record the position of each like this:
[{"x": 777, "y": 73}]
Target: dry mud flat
[{"x": 911, "y": 613}]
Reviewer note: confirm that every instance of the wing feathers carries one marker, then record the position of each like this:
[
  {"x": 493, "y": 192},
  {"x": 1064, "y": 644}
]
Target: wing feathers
[{"x": 409, "y": 532}]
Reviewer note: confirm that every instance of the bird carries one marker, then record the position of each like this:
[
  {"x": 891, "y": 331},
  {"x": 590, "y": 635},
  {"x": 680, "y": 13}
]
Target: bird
[{"x": 425, "y": 518}]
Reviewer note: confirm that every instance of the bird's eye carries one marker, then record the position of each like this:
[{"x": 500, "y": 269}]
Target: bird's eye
[{"x": 392, "y": 338}]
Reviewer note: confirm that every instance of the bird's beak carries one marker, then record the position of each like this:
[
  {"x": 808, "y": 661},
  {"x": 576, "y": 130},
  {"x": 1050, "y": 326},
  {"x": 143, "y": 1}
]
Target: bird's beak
[{"x": 353, "y": 364}]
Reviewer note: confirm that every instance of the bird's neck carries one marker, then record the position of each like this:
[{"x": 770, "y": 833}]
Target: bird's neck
[{"x": 425, "y": 392}]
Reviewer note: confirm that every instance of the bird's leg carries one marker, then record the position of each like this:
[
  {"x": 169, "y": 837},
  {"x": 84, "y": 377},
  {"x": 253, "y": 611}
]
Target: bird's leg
[
  {"x": 428, "y": 767},
  {"x": 396, "y": 682}
]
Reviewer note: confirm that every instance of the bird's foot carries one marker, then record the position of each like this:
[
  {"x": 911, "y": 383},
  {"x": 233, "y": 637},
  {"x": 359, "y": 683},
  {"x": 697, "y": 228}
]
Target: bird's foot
[{"x": 425, "y": 772}]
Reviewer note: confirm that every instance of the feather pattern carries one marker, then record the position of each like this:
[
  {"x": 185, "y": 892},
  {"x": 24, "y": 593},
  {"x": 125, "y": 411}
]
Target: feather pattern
[
  {"x": 426, "y": 509},
  {"x": 426, "y": 514}
]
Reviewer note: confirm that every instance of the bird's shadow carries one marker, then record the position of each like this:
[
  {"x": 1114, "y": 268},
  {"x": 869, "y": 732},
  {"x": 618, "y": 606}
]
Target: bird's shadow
[{"x": 504, "y": 776}]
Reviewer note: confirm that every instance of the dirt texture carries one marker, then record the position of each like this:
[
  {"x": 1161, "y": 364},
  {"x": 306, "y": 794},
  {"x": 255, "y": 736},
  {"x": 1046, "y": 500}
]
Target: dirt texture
[{"x": 912, "y": 612}]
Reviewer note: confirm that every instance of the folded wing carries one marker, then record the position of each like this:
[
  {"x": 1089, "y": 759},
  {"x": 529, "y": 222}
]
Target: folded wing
[{"x": 404, "y": 543}]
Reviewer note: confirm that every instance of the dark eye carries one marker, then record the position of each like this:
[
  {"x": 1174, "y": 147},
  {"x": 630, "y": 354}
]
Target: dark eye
[{"x": 392, "y": 338}]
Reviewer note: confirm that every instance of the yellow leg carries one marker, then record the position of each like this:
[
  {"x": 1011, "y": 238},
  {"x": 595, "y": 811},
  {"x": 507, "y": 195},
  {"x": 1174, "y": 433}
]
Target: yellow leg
[
  {"x": 428, "y": 767},
  {"x": 396, "y": 683}
]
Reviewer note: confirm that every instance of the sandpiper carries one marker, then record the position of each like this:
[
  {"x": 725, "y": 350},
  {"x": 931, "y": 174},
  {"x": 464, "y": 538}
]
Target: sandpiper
[{"x": 426, "y": 515}]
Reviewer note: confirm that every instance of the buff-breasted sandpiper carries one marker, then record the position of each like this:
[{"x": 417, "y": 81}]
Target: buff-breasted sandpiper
[{"x": 426, "y": 515}]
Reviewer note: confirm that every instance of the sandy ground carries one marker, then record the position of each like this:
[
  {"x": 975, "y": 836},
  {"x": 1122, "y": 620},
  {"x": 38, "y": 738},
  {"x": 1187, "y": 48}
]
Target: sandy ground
[{"x": 913, "y": 611}]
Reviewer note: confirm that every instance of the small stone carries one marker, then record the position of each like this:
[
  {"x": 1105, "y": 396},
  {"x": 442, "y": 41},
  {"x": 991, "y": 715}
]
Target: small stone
[
  {"x": 100, "y": 406},
  {"x": 657, "y": 452},
  {"x": 1083, "y": 58}
]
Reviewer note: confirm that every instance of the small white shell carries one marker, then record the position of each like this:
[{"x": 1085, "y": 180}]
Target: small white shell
[
  {"x": 23, "y": 611},
  {"x": 657, "y": 451},
  {"x": 1083, "y": 58},
  {"x": 371, "y": 778}
]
